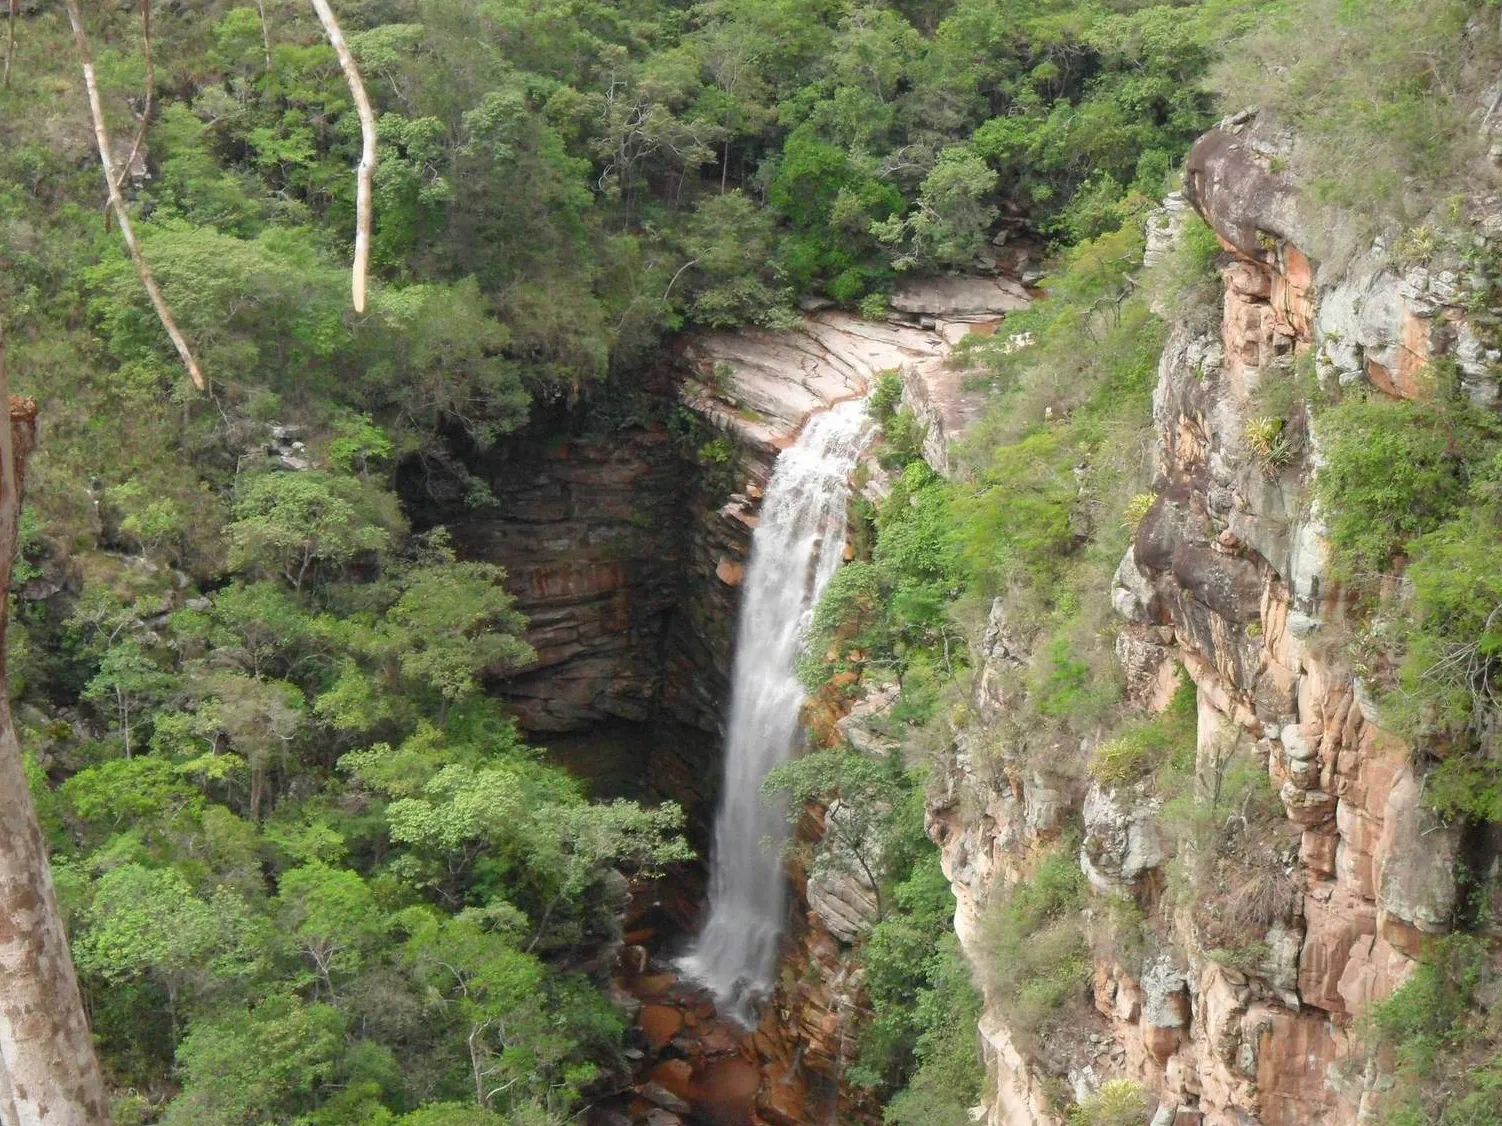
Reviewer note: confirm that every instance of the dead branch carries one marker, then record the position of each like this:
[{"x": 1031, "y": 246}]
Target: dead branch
[
  {"x": 366, "y": 170},
  {"x": 122, "y": 215}
]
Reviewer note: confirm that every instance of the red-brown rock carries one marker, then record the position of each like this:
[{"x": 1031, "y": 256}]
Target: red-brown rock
[{"x": 660, "y": 1023}]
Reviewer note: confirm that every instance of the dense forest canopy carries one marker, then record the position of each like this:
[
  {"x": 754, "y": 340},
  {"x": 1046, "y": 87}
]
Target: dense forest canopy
[{"x": 313, "y": 873}]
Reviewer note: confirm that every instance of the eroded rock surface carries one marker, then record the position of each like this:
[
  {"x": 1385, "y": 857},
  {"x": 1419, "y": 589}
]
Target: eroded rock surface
[{"x": 1226, "y": 578}]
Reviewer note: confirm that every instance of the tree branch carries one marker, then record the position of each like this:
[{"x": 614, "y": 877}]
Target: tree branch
[
  {"x": 10, "y": 42},
  {"x": 122, "y": 216},
  {"x": 265, "y": 33},
  {"x": 366, "y": 171}
]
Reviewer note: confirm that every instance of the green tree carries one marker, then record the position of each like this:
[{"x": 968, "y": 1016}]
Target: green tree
[
  {"x": 288, "y": 524},
  {"x": 148, "y": 923},
  {"x": 331, "y": 916},
  {"x": 861, "y": 795},
  {"x": 128, "y": 680},
  {"x": 491, "y": 993},
  {"x": 452, "y": 622},
  {"x": 952, "y": 221},
  {"x": 265, "y": 1063}
]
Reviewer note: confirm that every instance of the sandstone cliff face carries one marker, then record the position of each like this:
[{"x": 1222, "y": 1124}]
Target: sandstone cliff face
[
  {"x": 591, "y": 532},
  {"x": 1226, "y": 577}
]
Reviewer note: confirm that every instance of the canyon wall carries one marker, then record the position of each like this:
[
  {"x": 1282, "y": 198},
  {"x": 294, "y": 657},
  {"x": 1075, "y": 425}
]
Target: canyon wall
[{"x": 1227, "y": 580}]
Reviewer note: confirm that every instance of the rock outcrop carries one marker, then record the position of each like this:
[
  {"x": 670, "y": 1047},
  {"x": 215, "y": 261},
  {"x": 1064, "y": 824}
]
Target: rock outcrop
[{"x": 1226, "y": 578}]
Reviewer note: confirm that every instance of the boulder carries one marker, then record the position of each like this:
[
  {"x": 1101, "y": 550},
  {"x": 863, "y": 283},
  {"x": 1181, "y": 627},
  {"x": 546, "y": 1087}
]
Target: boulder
[
  {"x": 959, "y": 298},
  {"x": 660, "y": 1096},
  {"x": 1122, "y": 842}
]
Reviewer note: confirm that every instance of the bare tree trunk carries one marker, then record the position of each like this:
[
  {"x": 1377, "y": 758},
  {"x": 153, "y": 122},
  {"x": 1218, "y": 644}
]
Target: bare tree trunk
[
  {"x": 8, "y": 1111},
  {"x": 10, "y": 42},
  {"x": 366, "y": 171},
  {"x": 52, "y": 1074},
  {"x": 122, "y": 216},
  {"x": 265, "y": 33}
]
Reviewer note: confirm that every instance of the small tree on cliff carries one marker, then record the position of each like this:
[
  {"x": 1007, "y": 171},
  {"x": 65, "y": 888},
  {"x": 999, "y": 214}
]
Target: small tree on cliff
[{"x": 861, "y": 795}]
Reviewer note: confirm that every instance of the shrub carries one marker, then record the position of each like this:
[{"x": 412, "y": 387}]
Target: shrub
[
  {"x": 903, "y": 436},
  {"x": 1037, "y": 960},
  {"x": 1233, "y": 844},
  {"x": 1143, "y": 745},
  {"x": 1443, "y": 1039},
  {"x": 1136, "y": 508},
  {"x": 1380, "y": 93},
  {"x": 1426, "y": 479},
  {"x": 887, "y": 396},
  {"x": 1393, "y": 471},
  {"x": 1119, "y": 1102}
]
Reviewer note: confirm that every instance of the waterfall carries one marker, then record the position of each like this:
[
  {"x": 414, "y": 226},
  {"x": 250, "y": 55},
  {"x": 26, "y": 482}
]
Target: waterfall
[{"x": 795, "y": 549}]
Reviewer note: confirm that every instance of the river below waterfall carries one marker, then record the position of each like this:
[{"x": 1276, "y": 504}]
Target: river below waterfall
[{"x": 795, "y": 550}]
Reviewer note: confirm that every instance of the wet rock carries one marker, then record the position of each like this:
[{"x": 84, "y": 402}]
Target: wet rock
[{"x": 659, "y": 1024}]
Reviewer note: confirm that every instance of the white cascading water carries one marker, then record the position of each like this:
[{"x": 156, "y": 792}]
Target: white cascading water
[{"x": 795, "y": 550}]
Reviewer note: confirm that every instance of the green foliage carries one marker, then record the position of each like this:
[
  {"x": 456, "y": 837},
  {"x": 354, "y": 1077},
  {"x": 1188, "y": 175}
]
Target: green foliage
[
  {"x": 859, "y": 829},
  {"x": 730, "y": 243},
  {"x": 1136, "y": 508},
  {"x": 949, "y": 1076},
  {"x": 953, "y": 215},
  {"x": 1141, "y": 746},
  {"x": 288, "y": 524},
  {"x": 1437, "y": 646},
  {"x": 306, "y": 814},
  {"x": 263, "y": 1064},
  {"x": 887, "y": 397},
  {"x": 919, "y": 1045},
  {"x": 1394, "y": 469},
  {"x": 1443, "y": 1040},
  {"x": 1119, "y": 1102},
  {"x": 1380, "y": 94},
  {"x": 1037, "y": 960}
]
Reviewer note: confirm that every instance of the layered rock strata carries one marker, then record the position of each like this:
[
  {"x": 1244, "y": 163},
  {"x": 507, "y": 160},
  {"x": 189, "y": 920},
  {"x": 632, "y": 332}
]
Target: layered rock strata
[{"x": 1226, "y": 578}]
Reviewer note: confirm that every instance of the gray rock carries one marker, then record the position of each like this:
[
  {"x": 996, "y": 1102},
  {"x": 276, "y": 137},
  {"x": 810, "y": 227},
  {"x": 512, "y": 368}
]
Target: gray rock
[
  {"x": 1280, "y": 969},
  {"x": 838, "y": 891},
  {"x": 1416, "y": 858},
  {"x": 1122, "y": 840},
  {"x": 959, "y": 298},
  {"x": 861, "y": 726},
  {"x": 1132, "y": 595},
  {"x": 1165, "y": 994}
]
